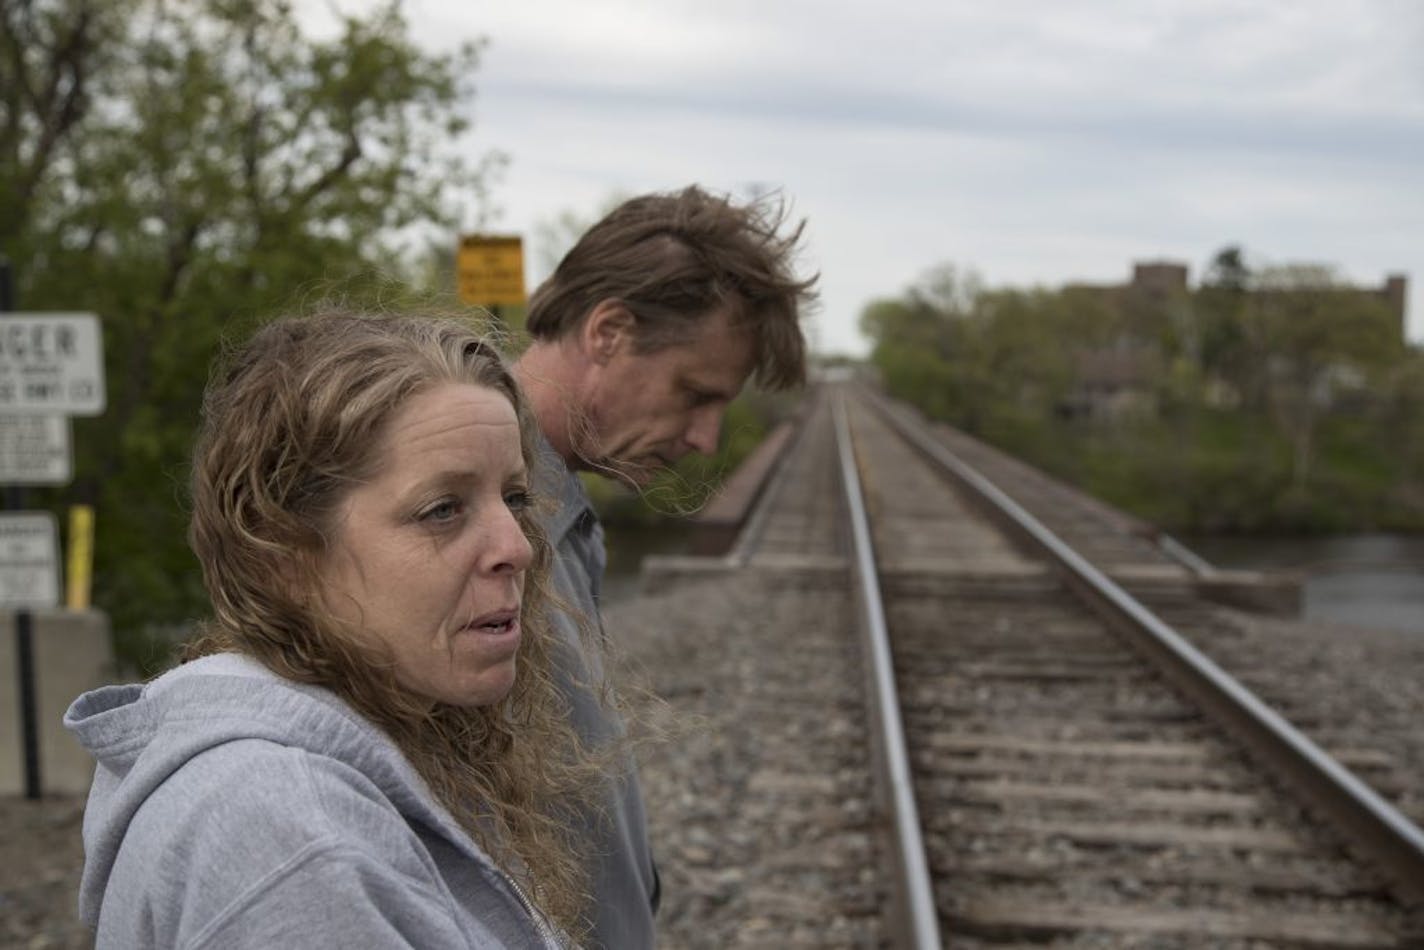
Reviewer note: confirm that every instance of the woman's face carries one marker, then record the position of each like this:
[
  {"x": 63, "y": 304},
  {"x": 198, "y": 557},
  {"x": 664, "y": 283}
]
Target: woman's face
[{"x": 427, "y": 556}]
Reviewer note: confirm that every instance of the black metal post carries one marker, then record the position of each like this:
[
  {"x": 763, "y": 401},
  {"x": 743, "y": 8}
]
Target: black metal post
[
  {"x": 25, "y": 661},
  {"x": 24, "y": 620}
]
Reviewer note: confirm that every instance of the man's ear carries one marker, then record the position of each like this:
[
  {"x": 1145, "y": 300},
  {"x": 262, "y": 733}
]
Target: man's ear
[{"x": 610, "y": 327}]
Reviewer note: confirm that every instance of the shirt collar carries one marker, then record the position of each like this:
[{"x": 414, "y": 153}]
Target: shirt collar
[{"x": 555, "y": 481}]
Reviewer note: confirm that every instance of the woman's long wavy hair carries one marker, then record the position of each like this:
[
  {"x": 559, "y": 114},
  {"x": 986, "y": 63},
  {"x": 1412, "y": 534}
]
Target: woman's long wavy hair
[{"x": 291, "y": 422}]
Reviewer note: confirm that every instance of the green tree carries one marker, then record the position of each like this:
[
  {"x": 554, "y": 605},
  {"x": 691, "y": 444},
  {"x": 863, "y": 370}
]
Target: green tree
[
  {"x": 52, "y": 57},
  {"x": 1400, "y": 427},
  {"x": 971, "y": 355},
  {"x": 1318, "y": 338},
  {"x": 921, "y": 344},
  {"x": 184, "y": 168},
  {"x": 1219, "y": 309}
]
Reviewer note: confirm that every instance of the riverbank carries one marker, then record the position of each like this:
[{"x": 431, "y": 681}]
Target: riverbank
[{"x": 1371, "y": 580}]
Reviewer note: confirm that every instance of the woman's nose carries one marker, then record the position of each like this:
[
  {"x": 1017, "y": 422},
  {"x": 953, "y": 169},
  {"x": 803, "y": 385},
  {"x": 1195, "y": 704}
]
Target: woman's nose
[{"x": 510, "y": 550}]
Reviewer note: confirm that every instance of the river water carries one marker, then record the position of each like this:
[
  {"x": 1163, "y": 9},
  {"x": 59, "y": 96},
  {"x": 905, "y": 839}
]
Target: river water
[{"x": 1366, "y": 580}]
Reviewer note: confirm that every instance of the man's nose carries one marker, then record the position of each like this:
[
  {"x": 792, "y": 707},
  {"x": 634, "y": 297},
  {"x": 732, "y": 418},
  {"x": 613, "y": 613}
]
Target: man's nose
[{"x": 704, "y": 429}]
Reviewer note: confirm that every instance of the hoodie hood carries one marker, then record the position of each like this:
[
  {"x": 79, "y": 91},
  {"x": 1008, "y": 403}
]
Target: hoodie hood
[{"x": 141, "y": 734}]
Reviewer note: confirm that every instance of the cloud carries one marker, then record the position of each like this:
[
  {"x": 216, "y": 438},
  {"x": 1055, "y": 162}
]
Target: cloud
[{"x": 1037, "y": 141}]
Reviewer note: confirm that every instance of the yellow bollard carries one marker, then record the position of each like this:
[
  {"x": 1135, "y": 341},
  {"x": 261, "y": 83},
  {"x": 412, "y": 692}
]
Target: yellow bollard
[{"x": 81, "y": 557}]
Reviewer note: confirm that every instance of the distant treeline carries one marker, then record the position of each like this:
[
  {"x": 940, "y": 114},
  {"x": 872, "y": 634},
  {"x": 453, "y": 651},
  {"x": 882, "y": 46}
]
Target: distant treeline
[{"x": 1268, "y": 399}]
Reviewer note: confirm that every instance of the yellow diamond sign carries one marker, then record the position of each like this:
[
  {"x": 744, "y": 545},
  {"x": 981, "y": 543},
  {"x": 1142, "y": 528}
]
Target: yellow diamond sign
[{"x": 489, "y": 269}]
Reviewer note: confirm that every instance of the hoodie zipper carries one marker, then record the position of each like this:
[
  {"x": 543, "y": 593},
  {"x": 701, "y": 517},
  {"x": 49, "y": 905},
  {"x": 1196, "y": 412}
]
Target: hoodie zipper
[{"x": 540, "y": 925}]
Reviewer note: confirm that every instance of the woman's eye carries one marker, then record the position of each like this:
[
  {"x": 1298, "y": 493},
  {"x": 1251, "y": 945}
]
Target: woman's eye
[
  {"x": 441, "y": 512},
  {"x": 517, "y": 501}
]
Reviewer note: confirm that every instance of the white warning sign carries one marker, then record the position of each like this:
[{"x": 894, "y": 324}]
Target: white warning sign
[
  {"x": 35, "y": 450},
  {"x": 51, "y": 362},
  {"x": 29, "y": 559}
]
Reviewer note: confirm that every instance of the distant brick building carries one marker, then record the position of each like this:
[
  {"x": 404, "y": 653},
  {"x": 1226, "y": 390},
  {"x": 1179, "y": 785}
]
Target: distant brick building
[
  {"x": 1151, "y": 280},
  {"x": 1395, "y": 291},
  {"x": 1119, "y": 377}
]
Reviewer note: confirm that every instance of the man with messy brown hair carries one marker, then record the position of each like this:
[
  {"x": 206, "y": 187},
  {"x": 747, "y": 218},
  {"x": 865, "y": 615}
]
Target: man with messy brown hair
[{"x": 643, "y": 335}]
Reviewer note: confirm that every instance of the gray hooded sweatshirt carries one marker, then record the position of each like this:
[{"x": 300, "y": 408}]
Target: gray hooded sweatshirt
[{"x": 232, "y": 808}]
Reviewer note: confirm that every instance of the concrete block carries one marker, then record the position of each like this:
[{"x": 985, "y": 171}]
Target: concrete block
[
  {"x": 72, "y": 653},
  {"x": 1276, "y": 593}
]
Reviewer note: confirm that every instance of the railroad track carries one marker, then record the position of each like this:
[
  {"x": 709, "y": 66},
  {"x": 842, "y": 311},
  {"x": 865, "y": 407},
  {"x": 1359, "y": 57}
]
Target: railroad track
[
  {"x": 1064, "y": 793},
  {"x": 1379, "y": 739},
  {"x": 1067, "y": 791}
]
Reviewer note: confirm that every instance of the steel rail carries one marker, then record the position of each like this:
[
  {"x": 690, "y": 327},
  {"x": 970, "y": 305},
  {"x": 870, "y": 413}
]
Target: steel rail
[
  {"x": 917, "y": 922},
  {"x": 1373, "y": 828}
]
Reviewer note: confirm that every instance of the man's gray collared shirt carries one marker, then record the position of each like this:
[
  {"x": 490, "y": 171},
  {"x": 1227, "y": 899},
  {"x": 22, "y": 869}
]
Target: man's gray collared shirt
[{"x": 622, "y": 878}]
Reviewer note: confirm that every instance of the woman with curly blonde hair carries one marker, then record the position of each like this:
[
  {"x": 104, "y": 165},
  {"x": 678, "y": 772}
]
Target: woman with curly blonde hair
[{"x": 365, "y": 749}]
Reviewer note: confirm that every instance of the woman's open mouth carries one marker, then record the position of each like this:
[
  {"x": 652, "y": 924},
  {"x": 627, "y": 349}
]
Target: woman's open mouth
[{"x": 496, "y": 623}]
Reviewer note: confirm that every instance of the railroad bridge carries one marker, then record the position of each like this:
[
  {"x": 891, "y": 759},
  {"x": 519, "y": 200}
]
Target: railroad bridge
[{"x": 915, "y": 693}]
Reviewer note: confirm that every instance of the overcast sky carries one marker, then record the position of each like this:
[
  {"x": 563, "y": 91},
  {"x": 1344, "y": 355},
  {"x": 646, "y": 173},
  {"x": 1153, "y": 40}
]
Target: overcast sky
[{"x": 1035, "y": 141}]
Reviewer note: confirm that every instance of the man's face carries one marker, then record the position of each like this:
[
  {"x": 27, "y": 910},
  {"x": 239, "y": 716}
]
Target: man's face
[{"x": 647, "y": 410}]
